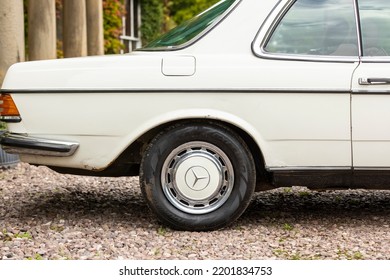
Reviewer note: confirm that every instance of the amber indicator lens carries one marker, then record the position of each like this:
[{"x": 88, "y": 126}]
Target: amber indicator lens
[
  {"x": 8, "y": 110},
  {"x": 7, "y": 105}
]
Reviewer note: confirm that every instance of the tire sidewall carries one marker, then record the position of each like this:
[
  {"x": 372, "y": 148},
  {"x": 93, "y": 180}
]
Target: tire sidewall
[{"x": 230, "y": 144}]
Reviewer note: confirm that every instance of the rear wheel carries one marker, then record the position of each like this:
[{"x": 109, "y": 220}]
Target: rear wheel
[{"x": 197, "y": 176}]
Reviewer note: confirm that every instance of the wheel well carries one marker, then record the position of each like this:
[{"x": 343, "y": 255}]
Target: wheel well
[
  {"x": 133, "y": 154},
  {"x": 263, "y": 178}
]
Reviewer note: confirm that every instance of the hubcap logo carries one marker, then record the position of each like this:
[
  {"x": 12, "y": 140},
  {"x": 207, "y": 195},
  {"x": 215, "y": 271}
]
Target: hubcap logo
[{"x": 197, "y": 178}]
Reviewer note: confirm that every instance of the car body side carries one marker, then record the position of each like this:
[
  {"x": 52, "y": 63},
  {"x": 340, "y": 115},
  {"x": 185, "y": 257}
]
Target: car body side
[{"x": 113, "y": 105}]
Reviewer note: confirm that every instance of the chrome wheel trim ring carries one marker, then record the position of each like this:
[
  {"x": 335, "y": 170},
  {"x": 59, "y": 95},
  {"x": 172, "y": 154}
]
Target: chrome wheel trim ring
[{"x": 197, "y": 177}]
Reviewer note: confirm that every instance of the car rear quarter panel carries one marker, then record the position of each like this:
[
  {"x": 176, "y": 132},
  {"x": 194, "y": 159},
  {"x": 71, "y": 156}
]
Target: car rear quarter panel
[
  {"x": 105, "y": 124},
  {"x": 106, "y": 103}
]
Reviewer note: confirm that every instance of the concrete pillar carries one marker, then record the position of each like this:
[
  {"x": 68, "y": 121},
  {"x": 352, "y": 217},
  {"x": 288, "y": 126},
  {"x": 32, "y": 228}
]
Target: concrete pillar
[
  {"x": 75, "y": 28},
  {"x": 95, "y": 33},
  {"x": 42, "y": 29},
  {"x": 11, "y": 34}
]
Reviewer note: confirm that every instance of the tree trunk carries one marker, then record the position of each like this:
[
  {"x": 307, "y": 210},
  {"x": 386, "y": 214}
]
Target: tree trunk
[
  {"x": 75, "y": 28},
  {"x": 95, "y": 27},
  {"x": 11, "y": 34},
  {"x": 42, "y": 29}
]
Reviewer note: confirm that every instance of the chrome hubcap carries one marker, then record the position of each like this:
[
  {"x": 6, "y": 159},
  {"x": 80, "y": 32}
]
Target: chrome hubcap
[{"x": 197, "y": 177}]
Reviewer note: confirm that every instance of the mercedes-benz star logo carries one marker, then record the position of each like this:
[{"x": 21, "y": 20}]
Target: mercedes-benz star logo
[{"x": 197, "y": 178}]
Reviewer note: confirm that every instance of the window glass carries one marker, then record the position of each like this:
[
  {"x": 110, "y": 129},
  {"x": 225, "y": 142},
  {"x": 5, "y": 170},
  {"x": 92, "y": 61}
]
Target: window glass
[
  {"x": 316, "y": 27},
  {"x": 190, "y": 29},
  {"x": 375, "y": 25}
]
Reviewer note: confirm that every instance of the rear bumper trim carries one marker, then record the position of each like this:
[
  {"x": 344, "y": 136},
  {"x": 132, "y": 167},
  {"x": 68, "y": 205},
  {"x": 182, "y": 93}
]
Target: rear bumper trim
[{"x": 22, "y": 144}]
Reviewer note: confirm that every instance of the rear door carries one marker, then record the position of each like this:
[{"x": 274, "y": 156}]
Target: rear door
[
  {"x": 309, "y": 52},
  {"x": 371, "y": 89}
]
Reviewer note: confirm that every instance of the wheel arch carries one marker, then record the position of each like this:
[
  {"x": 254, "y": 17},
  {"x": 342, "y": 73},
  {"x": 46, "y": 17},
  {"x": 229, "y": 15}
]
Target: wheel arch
[{"x": 240, "y": 127}]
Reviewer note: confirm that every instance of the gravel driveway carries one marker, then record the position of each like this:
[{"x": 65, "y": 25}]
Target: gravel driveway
[{"x": 45, "y": 215}]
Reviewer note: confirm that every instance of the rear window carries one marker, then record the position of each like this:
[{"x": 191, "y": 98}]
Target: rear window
[
  {"x": 191, "y": 29},
  {"x": 312, "y": 27},
  {"x": 375, "y": 22}
]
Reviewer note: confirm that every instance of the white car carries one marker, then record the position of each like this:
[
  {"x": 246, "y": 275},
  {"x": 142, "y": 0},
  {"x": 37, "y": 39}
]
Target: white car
[{"x": 249, "y": 95}]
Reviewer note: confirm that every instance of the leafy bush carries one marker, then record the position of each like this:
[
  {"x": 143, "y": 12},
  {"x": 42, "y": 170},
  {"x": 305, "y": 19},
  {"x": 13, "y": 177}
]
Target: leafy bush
[
  {"x": 113, "y": 11},
  {"x": 160, "y": 16},
  {"x": 182, "y": 10},
  {"x": 152, "y": 19}
]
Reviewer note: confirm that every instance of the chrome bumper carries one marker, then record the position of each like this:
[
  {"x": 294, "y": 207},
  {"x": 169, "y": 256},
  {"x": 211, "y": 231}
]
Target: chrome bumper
[{"x": 22, "y": 144}]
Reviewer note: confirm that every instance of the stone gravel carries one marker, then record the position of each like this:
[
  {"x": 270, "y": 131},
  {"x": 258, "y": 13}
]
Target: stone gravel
[{"x": 46, "y": 215}]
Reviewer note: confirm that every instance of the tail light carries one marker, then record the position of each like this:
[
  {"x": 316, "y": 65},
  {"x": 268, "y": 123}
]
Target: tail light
[{"x": 8, "y": 110}]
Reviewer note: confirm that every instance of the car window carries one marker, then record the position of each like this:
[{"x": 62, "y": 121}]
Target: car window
[
  {"x": 375, "y": 26},
  {"x": 191, "y": 28},
  {"x": 313, "y": 27}
]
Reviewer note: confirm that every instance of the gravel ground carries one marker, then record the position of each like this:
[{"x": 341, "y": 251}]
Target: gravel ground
[{"x": 45, "y": 215}]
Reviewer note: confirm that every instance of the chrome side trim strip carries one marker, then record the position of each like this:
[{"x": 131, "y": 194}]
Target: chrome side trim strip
[
  {"x": 375, "y": 59},
  {"x": 359, "y": 29},
  {"x": 362, "y": 168},
  {"x": 308, "y": 168},
  {"x": 327, "y": 168},
  {"x": 22, "y": 144}
]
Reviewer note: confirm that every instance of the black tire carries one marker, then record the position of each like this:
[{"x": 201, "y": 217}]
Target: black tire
[{"x": 197, "y": 176}]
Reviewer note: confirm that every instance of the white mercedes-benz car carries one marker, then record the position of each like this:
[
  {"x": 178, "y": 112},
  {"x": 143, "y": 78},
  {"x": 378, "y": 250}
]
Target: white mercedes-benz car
[{"x": 249, "y": 95}]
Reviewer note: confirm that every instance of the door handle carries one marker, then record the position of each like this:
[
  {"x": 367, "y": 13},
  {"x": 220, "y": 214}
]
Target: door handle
[{"x": 374, "y": 81}]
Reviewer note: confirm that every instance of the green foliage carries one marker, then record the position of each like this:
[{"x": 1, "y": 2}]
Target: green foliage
[
  {"x": 113, "y": 11},
  {"x": 287, "y": 190},
  {"x": 345, "y": 254},
  {"x": 182, "y": 10},
  {"x": 25, "y": 235},
  {"x": 152, "y": 19},
  {"x": 162, "y": 231},
  {"x": 6, "y": 236},
  {"x": 304, "y": 194},
  {"x": 57, "y": 228},
  {"x": 160, "y": 16},
  {"x": 36, "y": 257},
  {"x": 288, "y": 227}
]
